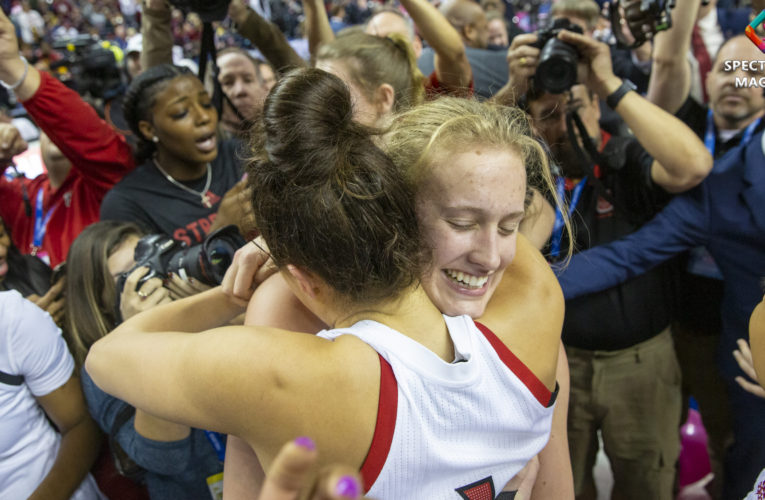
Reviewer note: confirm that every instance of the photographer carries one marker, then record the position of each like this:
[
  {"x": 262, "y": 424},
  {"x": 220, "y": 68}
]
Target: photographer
[
  {"x": 174, "y": 461},
  {"x": 83, "y": 156},
  {"x": 621, "y": 335}
]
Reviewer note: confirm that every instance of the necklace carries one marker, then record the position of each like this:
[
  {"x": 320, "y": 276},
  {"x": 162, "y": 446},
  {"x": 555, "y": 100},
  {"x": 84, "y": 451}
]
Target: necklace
[{"x": 203, "y": 197}]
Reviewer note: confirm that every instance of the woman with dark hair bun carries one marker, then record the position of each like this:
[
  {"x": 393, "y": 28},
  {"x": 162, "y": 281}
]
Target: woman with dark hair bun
[
  {"x": 421, "y": 403},
  {"x": 186, "y": 186}
]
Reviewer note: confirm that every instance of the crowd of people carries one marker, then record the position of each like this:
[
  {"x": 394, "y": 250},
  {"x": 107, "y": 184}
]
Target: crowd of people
[{"x": 405, "y": 249}]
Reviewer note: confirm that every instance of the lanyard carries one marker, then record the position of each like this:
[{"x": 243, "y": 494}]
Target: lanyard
[
  {"x": 218, "y": 442},
  {"x": 557, "y": 234},
  {"x": 709, "y": 135},
  {"x": 41, "y": 221}
]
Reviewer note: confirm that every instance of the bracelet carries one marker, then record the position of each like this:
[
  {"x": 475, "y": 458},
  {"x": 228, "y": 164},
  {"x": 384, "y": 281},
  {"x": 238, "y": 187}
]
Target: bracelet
[
  {"x": 617, "y": 95},
  {"x": 21, "y": 80}
]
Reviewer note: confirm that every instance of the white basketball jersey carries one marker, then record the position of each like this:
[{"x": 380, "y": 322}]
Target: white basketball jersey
[{"x": 451, "y": 430}]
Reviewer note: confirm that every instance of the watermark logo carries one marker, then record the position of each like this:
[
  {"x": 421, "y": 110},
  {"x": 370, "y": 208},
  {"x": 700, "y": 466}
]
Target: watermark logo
[{"x": 759, "y": 42}]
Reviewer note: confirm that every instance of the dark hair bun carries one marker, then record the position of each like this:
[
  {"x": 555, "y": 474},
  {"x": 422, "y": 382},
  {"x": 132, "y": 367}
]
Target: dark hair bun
[{"x": 326, "y": 198}]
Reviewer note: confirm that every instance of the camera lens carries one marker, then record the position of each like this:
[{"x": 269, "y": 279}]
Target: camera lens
[{"x": 557, "y": 69}]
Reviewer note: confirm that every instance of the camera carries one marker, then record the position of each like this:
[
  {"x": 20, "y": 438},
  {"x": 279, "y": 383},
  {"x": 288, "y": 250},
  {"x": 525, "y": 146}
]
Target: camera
[
  {"x": 557, "y": 68},
  {"x": 92, "y": 66},
  {"x": 206, "y": 262},
  {"x": 643, "y": 18},
  {"x": 208, "y": 11}
]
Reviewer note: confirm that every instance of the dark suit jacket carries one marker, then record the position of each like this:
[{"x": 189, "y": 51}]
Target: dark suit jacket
[{"x": 725, "y": 213}]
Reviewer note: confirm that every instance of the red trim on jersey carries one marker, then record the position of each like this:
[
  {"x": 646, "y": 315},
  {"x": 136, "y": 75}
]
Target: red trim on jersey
[
  {"x": 386, "y": 422},
  {"x": 537, "y": 388}
]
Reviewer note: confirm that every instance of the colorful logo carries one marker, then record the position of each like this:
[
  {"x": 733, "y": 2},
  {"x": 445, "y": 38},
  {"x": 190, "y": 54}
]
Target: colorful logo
[{"x": 759, "y": 42}]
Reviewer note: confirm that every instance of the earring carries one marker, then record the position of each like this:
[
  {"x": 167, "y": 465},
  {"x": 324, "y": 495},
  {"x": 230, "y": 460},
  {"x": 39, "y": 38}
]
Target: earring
[{"x": 155, "y": 139}]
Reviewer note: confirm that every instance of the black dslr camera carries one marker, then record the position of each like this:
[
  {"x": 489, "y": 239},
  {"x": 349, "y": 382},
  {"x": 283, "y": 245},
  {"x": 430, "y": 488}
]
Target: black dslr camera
[
  {"x": 206, "y": 262},
  {"x": 557, "y": 68}
]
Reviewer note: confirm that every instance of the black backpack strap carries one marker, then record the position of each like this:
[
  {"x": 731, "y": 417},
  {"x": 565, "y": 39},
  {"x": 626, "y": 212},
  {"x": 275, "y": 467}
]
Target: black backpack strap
[{"x": 8, "y": 379}]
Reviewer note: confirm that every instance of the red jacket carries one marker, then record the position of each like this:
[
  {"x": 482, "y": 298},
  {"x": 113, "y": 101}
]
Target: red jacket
[{"x": 100, "y": 157}]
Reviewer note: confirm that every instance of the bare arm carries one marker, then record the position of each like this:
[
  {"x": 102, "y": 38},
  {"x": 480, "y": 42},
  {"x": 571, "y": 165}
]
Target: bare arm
[
  {"x": 537, "y": 224},
  {"x": 80, "y": 441},
  {"x": 452, "y": 66},
  {"x": 522, "y": 61},
  {"x": 259, "y": 375},
  {"x": 681, "y": 160},
  {"x": 670, "y": 79},
  {"x": 242, "y": 473},
  {"x": 317, "y": 28},
  {"x": 529, "y": 299},
  {"x": 555, "y": 478},
  {"x": 266, "y": 36}
]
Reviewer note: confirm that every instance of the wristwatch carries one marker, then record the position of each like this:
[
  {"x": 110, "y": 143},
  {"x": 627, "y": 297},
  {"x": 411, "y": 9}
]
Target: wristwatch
[{"x": 613, "y": 99}]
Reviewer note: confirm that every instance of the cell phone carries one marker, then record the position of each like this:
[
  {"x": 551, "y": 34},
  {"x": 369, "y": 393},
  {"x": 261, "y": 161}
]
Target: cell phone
[{"x": 58, "y": 272}]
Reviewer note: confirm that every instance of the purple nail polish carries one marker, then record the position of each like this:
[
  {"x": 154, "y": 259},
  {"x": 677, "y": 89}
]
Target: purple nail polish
[
  {"x": 348, "y": 487},
  {"x": 305, "y": 442}
]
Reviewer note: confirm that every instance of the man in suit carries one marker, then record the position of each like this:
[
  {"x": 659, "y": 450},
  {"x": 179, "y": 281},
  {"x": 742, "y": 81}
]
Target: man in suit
[{"x": 725, "y": 214}]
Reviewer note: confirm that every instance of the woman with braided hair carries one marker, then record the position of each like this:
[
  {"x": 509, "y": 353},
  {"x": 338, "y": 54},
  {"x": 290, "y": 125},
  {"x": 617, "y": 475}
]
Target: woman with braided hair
[{"x": 186, "y": 184}]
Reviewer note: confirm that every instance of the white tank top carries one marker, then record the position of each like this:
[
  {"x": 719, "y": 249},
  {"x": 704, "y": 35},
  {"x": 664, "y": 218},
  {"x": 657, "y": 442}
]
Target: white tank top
[{"x": 451, "y": 430}]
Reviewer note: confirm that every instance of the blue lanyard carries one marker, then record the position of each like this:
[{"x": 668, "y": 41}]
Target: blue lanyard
[
  {"x": 557, "y": 234},
  {"x": 218, "y": 442},
  {"x": 41, "y": 220},
  {"x": 709, "y": 135}
]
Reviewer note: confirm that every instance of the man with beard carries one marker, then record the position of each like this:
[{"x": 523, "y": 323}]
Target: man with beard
[{"x": 618, "y": 341}]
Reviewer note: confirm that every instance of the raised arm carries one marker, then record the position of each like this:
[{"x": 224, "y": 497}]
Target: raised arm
[
  {"x": 92, "y": 146},
  {"x": 317, "y": 28},
  {"x": 670, "y": 80},
  {"x": 157, "y": 36},
  {"x": 266, "y": 36},
  {"x": 451, "y": 63},
  {"x": 680, "y": 159}
]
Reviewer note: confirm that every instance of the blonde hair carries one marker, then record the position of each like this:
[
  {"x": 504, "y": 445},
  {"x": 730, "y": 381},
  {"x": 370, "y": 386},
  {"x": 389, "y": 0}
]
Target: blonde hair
[
  {"x": 419, "y": 137},
  {"x": 373, "y": 60}
]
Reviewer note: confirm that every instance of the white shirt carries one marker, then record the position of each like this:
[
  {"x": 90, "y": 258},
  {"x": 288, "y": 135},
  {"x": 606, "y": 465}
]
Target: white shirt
[{"x": 31, "y": 346}]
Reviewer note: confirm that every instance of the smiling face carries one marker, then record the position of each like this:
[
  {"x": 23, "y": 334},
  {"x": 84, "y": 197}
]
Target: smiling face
[
  {"x": 184, "y": 121},
  {"x": 734, "y": 108},
  {"x": 469, "y": 209}
]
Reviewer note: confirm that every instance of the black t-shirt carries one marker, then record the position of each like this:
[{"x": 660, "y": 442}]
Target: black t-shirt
[
  {"x": 640, "y": 308},
  {"x": 147, "y": 198}
]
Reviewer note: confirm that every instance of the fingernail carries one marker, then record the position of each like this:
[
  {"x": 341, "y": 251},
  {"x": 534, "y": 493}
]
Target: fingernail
[
  {"x": 244, "y": 177},
  {"x": 348, "y": 487},
  {"x": 305, "y": 442}
]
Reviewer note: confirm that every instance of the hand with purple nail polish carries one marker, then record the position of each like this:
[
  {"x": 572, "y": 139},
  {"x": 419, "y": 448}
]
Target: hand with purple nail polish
[{"x": 293, "y": 472}]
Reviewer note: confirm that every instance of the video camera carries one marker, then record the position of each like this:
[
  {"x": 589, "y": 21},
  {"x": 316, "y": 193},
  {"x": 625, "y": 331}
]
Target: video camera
[
  {"x": 558, "y": 60},
  {"x": 206, "y": 262},
  {"x": 92, "y": 66}
]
